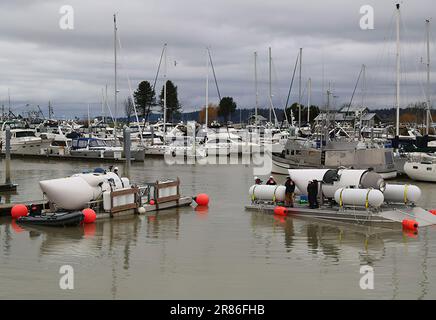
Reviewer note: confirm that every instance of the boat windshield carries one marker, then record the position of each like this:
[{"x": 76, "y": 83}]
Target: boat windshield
[
  {"x": 97, "y": 143},
  {"x": 22, "y": 134}
]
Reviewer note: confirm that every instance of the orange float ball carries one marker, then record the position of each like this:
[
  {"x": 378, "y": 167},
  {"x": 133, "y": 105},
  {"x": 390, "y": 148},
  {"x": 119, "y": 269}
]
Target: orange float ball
[
  {"x": 152, "y": 202},
  {"x": 19, "y": 210},
  {"x": 280, "y": 211},
  {"x": 202, "y": 199},
  {"x": 410, "y": 224},
  {"x": 89, "y": 215}
]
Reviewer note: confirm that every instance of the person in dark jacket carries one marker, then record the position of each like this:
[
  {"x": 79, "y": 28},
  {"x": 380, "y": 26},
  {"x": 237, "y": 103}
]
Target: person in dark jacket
[
  {"x": 315, "y": 193},
  {"x": 312, "y": 194},
  {"x": 271, "y": 181},
  {"x": 257, "y": 180},
  {"x": 289, "y": 193}
]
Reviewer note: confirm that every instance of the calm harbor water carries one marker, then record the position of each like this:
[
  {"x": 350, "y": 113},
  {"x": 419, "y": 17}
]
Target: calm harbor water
[{"x": 223, "y": 253}]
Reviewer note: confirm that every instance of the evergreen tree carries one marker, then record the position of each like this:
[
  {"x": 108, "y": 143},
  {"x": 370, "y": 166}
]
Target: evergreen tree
[
  {"x": 145, "y": 99},
  {"x": 226, "y": 107},
  {"x": 173, "y": 105}
]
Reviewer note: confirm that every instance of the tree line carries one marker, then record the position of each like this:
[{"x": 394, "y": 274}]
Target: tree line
[{"x": 146, "y": 102}]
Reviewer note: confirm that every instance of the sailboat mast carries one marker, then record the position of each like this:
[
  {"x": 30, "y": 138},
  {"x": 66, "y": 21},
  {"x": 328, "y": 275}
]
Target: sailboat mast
[
  {"x": 115, "y": 75},
  {"x": 9, "y": 103},
  {"x": 309, "y": 92},
  {"x": 429, "y": 117},
  {"x": 207, "y": 89},
  {"x": 299, "y": 89},
  {"x": 255, "y": 87},
  {"x": 165, "y": 89},
  {"x": 270, "y": 85},
  {"x": 397, "y": 133}
]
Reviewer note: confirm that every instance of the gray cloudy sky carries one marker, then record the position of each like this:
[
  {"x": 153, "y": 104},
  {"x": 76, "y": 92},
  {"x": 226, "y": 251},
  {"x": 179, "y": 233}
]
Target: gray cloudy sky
[{"x": 39, "y": 61}]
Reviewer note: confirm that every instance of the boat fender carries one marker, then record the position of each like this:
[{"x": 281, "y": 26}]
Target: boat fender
[
  {"x": 341, "y": 203},
  {"x": 274, "y": 194},
  {"x": 253, "y": 197},
  {"x": 405, "y": 193},
  {"x": 409, "y": 224},
  {"x": 433, "y": 212},
  {"x": 366, "y": 198}
]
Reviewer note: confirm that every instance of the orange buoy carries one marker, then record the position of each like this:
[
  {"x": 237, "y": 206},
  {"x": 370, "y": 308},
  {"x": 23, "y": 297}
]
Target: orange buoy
[
  {"x": 89, "y": 215},
  {"x": 432, "y": 211},
  {"x": 151, "y": 202},
  {"x": 410, "y": 224},
  {"x": 202, "y": 199},
  {"x": 280, "y": 211},
  {"x": 19, "y": 210}
]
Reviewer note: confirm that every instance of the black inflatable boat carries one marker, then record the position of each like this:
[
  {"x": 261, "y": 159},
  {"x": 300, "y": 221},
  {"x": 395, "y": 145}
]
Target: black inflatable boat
[{"x": 61, "y": 219}]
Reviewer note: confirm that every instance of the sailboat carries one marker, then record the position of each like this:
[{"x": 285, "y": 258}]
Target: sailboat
[{"x": 422, "y": 166}]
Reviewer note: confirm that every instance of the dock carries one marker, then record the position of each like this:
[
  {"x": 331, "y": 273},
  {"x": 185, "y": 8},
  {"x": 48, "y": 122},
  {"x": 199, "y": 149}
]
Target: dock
[
  {"x": 5, "y": 208},
  {"x": 386, "y": 217}
]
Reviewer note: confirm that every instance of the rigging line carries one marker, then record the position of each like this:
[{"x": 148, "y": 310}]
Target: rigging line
[
  {"x": 276, "y": 81},
  {"x": 158, "y": 68},
  {"x": 355, "y": 87},
  {"x": 292, "y": 80},
  {"x": 214, "y": 75},
  {"x": 130, "y": 90},
  {"x": 404, "y": 65}
]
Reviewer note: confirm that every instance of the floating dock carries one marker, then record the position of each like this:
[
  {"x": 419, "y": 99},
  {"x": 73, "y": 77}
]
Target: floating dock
[{"x": 386, "y": 217}]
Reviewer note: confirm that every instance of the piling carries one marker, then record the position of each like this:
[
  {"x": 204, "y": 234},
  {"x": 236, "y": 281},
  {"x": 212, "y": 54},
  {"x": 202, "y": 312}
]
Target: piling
[
  {"x": 8, "y": 186},
  {"x": 127, "y": 154}
]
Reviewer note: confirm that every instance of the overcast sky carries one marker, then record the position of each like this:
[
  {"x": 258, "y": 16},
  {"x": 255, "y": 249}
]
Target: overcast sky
[{"x": 40, "y": 62}]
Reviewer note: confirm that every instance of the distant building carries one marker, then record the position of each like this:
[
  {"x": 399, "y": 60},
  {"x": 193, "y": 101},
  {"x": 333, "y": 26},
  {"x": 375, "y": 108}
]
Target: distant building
[
  {"x": 261, "y": 120},
  {"x": 349, "y": 116}
]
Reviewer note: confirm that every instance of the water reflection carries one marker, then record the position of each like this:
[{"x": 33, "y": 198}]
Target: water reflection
[{"x": 326, "y": 239}]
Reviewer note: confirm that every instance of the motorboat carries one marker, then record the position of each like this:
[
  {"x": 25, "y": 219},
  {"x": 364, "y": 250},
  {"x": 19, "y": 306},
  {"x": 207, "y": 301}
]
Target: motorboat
[
  {"x": 24, "y": 142},
  {"x": 94, "y": 147},
  {"x": 229, "y": 146}
]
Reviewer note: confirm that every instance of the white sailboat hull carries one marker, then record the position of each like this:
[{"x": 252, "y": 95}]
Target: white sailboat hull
[{"x": 420, "y": 171}]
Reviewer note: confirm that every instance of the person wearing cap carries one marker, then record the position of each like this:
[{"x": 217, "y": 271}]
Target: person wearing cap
[
  {"x": 271, "y": 181},
  {"x": 257, "y": 180},
  {"x": 116, "y": 170},
  {"x": 289, "y": 192}
]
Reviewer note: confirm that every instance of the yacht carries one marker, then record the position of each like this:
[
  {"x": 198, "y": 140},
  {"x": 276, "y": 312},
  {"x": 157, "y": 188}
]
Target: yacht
[
  {"x": 303, "y": 153},
  {"x": 24, "y": 142}
]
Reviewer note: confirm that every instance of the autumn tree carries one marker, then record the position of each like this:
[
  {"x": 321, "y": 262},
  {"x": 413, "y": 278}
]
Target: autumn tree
[{"x": 212, "y": 113}]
